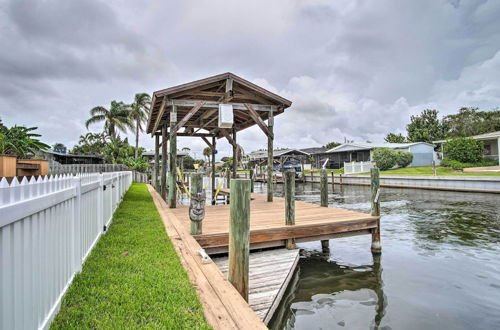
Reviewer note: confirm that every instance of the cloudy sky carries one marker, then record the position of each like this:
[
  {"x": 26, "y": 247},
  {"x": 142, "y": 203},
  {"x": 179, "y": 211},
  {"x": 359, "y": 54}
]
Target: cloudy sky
[{"x": 353, "y": 69}]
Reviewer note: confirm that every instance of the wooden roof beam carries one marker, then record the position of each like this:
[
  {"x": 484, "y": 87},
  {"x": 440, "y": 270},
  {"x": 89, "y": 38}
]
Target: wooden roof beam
[
  {"x": 256, "y": 118},
  {"x": 160, "y": 114},
  {"x": 187, "y": 117},
  {"x": 212, "y": 104},
  {"x": 207, "y": 142}
]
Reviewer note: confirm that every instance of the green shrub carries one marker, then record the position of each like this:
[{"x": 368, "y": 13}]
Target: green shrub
[
  {"x": 385, "y": 158},
  {"x": 404, "y": 158},
  {"x": 456, "y": 165},
  {"x": 464, "y": 150}
]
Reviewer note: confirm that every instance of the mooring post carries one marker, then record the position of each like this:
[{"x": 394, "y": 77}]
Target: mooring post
[
  {"x": 434, "y": 167},
  {"x": 375, "y": 208},
  {"x": 323, "y": 187},
  {"x": 333, "y": 182},
  {"x": 239, "y": 235},
  {"x": 250, "y": 174},
  {"x": 290, "y": 204},
  {"x": 312, "y": 175},
  {"x": 341, "y": 179},
  {"x": 197, "y": 203},
  {"x": 228, "y": 178}
]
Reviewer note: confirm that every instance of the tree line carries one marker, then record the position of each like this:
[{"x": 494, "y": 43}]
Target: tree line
[{"x": 427, "y": 127}]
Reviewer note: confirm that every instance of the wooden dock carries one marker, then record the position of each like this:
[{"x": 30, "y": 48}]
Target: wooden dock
[
  {"x": 267, "y": 223},
  {"x": 269, "y": 275},
  {"x": 270, "y": 271}
]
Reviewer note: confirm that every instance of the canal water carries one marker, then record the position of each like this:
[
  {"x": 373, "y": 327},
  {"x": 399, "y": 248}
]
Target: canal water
[{"x": 440, "y": 266}]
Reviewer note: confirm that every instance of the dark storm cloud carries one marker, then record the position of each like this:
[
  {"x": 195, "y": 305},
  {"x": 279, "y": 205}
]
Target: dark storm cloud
[{"x": 353, "y": 69}]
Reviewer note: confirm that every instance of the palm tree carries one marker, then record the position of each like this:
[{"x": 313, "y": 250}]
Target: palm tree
[
  {"x": 115, "y": 119},
  {"x": 20, "y": 140},
  {"x": 139, "y": 114},
  {"x": 207, "y": 152}
]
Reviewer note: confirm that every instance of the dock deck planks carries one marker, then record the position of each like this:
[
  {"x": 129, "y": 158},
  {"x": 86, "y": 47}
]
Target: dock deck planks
[
  {"x": 269, "y": 274},
  {"x": 267, "y": 223}
]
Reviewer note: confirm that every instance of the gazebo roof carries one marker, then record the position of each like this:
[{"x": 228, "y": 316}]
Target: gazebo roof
[{"x": 207, "y": 94}]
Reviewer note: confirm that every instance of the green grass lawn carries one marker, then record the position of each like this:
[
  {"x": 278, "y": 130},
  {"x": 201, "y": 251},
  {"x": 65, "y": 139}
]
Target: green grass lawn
[
  {"x": 440, "y": 171},
  {"x": 133, "y": 277}
]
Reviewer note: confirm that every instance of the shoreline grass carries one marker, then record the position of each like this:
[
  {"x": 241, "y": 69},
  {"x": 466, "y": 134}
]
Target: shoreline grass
[
  {"x": 428, "y": 171},
  {"x": 133, "y": 278}
]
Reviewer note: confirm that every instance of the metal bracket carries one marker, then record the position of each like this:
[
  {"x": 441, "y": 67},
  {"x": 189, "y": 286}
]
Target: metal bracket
[
  {"x": 104, "y": 187},
  {"x": 377, "y": 195},
  {"x": 205, "y": 259}
]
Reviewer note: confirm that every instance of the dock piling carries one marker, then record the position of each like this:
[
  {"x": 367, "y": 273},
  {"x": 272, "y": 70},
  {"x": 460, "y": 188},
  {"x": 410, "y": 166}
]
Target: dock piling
[
  {"x": 290, "y": 204},
  {"x": 375, "y": 209},
  {"x": 197, "y": 202},
  {"x": 239, "y": 235},
  {"x": 333, "y": 182},
  {"x": 324, "y": 187},
  {"x": 251, "y": 179}
]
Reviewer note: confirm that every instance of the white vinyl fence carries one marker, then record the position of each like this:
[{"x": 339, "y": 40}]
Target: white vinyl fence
[
  {"x": 48, "y": 226},
  {"x": 357, "y": 167},
  {"x": 56, "y": 168}
]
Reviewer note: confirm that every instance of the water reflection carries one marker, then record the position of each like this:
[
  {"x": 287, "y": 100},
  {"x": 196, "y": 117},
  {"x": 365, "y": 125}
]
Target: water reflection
[
  {"x": 330, "y": 296},
  {"x": 441, "y": 265}
]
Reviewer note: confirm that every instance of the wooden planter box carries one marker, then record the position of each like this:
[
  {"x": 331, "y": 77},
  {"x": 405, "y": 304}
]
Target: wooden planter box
[
  {"x": 8, "y": 166},
  {"x": 28, "y": 167}
]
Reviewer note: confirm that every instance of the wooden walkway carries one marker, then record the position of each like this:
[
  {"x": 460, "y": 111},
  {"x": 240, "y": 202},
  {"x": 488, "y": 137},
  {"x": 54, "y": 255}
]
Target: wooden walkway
[
  {"x": 267, "y": 223},
  {"x": 269, "y": 275},
  {"x": 223, "y": 306}
]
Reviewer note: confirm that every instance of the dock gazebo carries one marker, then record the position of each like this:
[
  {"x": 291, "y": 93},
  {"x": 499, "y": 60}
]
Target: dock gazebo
[{"x": 212, "y": 108}]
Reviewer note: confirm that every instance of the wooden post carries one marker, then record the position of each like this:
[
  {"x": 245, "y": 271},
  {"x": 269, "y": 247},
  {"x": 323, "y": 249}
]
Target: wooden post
[
  {"x": 250, "y": 174},
  {"x": 333, "y": 182},
  {"x": 157, "y": 162},
  {"x": 312, "y": 175},
  {"x": 163, "y": 183},
  {"x": 434, "y": 167},
  {"x": 323, "y": 187},
  {"x": 214, "y": 141},
  {"x": 375, "y": 208},
  {"x": 228, "y": 178},
  {"x": 239, "y": 235},
  {"x": 172, "y": 175},
  {"x": 270, "y": 124},
  {"x": 196, "y": 187},
  {"x": 290, "y": 204},
  {"x": 235, "y": 160},
  {"x": 341, "y": 179}
]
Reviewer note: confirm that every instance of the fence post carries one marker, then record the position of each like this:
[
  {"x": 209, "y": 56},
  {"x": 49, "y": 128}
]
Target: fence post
[
  {"x": 239, "y": 235},
  {"x": 77, "y": 253},
  {"x": 375, "y": 209},
  {"x": 290, "y": 204},
  {"x": 196, "y": 188}
]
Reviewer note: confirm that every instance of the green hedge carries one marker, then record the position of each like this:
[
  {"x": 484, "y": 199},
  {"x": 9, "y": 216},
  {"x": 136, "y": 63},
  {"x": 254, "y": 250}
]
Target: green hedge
[
  {"x": 456, "y": 165},
  {"x": 464, "y": 150}
]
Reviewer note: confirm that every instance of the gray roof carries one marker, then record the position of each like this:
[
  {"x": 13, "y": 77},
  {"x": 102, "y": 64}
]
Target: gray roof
[
  {"x": 52, "y": 152},
  {"x": 486, "y": 136},
  {"x": 276, "y": 153},
  {"x": 369, "y": 146},
  {"x": 315, "y": 150},
  {"x": 151, "y": 153}
]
